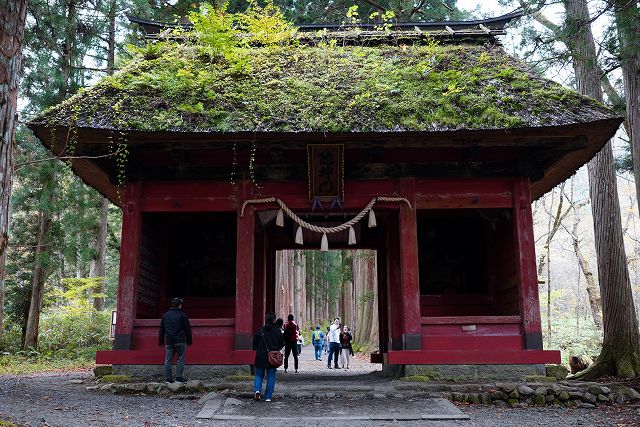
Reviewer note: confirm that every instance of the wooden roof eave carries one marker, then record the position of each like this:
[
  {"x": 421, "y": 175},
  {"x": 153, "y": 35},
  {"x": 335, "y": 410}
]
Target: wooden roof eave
[{"x": 595, "y": 133}]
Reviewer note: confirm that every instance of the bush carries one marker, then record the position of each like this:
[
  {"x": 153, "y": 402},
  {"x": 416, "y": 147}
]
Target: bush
[{"x": 74, "y": 333}]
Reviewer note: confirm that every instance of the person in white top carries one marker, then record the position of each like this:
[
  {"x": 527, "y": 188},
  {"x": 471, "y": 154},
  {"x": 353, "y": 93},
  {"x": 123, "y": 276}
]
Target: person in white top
[{"x": 334, "y": 343}]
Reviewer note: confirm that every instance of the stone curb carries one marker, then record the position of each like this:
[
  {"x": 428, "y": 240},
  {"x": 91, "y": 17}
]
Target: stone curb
[{"x": 570, "y": 394}]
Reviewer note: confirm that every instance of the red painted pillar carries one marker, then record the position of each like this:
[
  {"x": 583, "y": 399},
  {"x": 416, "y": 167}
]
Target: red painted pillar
[
  {"x": 259, "y": 296},
  {"x": 393, "y": 291},
  {"x": 526, "y": 260},
  {"x": 410, "y": 285},
  {"x": 244, "y": 270},
  {"x": 129, "y": 266}
]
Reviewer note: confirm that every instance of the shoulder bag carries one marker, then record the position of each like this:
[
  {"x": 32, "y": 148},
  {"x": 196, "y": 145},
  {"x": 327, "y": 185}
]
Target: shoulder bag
[{"x": 274, "y": 357}]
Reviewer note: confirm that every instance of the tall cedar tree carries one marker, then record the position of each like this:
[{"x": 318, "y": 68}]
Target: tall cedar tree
[
  {"x": 627, "y": 20},
  {"x": 62, "y": 34},
  {"x": 12, "y": 20},
  {"x": 620, "y": 354}
]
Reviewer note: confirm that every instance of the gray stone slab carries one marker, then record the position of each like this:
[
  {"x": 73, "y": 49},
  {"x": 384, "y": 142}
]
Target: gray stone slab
[
  {"x": 213, "y": 404},
  {"x": 445, "y": 417}
]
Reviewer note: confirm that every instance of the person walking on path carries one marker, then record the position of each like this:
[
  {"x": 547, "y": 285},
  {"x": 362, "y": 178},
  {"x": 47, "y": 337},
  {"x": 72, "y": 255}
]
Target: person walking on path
[
  {"x": 290, "y": 342},
  {"x": 317, "y": 339},
  {"x": 334, "y": 343},
  {"x": 268, "y": 338},
  {"x": 175, "y": 334},
  {"x": 325, "y": 344},
  {"x": 346, "y": 349}
]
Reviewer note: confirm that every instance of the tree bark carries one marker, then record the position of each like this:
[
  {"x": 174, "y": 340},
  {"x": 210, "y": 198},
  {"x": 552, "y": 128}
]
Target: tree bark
[
  {"x": 627, "y": 18},
  {"x": 592, "y": 291},
  {"x": 620, "y": 354},
  {"x": 12, "y": 20},
  {"x": 39, "y": 277},
  {"x": 97, "y": 268}
]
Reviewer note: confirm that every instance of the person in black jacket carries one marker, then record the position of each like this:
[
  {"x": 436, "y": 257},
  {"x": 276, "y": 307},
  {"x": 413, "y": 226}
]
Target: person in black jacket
[
  {"x": 268, "y": 338},
  {"x": 175, "y": 331}
]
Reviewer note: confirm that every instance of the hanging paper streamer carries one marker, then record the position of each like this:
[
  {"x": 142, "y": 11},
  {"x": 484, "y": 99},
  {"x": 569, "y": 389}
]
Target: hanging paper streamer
[
  {"x": 352, "y": 236},
  {"x": 324, "y": 244},
  {"x": 280, "y": 218},
  {"x": 299, "y": 240},
  {"x": 372, "y": 219}
]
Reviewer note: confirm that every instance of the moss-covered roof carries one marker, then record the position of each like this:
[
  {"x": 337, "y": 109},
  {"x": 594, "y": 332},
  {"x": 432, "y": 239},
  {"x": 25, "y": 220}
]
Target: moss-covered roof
[{"x": 323, "y": 87}]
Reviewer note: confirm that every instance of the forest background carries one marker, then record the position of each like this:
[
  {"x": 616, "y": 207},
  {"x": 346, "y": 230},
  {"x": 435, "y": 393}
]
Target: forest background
[{"x": 64, "y": 237}]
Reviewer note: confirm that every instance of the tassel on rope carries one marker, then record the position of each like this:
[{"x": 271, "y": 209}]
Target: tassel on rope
[
  {"x": 372, "y": 219},
  {"x": 324, "y": 244},
  {"x": 352, "y": 236},
  {"x": 280, "y": 218},
  {"x": 299, "y": 240}
]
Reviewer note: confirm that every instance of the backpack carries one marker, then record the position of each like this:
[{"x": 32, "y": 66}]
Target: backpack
[
  {"x": 288, "y": 332},
  {"x": 317, "y": 336}
]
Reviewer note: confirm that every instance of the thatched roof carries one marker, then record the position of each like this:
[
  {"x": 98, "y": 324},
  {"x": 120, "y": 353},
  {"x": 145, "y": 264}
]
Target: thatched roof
[
  {"x": 439, "y": 86},
  {"x": 324, "y": 87}
]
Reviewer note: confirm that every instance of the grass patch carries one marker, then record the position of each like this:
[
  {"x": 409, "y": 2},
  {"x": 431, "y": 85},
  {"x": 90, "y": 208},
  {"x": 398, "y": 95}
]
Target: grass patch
[
  {"x": 239, "y": 377},
  {"x": 117, "y": 378},
  {"x": 17, "y": 364},
  {"x": 416, "y": 378}
]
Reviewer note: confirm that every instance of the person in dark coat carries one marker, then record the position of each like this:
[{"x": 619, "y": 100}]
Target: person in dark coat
[
  {"x": 268, "y": 338},
  {"x": 175, "y": 331}
]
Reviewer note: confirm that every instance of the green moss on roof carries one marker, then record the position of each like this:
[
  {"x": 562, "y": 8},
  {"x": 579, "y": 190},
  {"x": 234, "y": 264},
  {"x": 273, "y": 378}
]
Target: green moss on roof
[{"x": 173, "y": 86}]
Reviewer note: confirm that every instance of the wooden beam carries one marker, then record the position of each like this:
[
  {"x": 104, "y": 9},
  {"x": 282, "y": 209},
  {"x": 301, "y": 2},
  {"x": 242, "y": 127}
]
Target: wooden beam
[
  {"x": 194, "y": 356},
  {"x": 479, "y": 357},
  {"x": 244, "y": 270},
  {"x": 410, "y": 285},
  {"x": 464, "y": 193},
  {"x": 129, "y": 266},
  {"x": 463, "y": 320},
  {"x": 526, "y": 264},
  {"x": 188, "y": 197}
]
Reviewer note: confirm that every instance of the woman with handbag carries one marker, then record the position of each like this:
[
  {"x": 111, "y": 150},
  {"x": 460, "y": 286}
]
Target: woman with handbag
[{"x": 267, "y": 343}]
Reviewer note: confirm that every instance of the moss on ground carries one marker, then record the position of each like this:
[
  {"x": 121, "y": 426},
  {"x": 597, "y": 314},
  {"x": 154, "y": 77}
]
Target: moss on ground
[
  {"x": 117, "y": 378},
  {"x": 416, "y": 378}
]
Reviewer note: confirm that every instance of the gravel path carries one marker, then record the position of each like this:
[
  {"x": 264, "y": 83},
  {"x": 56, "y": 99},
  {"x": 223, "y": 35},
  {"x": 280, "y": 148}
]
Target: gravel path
[{"x": 52, "y": 400}]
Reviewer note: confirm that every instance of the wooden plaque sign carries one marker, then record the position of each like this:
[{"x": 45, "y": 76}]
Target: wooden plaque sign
[{"x": 326, "y": 172}]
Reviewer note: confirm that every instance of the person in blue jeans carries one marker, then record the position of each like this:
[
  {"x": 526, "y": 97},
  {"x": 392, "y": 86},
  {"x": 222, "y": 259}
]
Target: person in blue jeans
[
  {"x": 268, "y": 338},
  {"x": 317, "y": 339},
  {"x": 175, "y": 331},
  {"x": 334, "y": 343}
]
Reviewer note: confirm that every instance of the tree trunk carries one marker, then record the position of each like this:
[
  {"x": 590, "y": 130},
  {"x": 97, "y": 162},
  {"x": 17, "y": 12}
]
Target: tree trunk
[
  {"x": 627, "y": 18},
  {"x": 12, "y": 19},
  {"x": 592, "y": 292},
  {"x": 97, "y": 267},
  {"x": 620, "y": 354},
  {"x": 39, "y": 277}
]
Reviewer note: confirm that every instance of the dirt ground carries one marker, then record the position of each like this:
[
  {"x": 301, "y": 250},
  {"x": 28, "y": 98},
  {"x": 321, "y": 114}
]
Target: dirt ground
[{"x": 51, "y": 399}]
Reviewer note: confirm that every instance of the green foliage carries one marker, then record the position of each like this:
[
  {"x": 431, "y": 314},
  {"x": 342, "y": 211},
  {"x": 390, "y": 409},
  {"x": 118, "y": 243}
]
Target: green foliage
[{"x": 116, "y": 378}]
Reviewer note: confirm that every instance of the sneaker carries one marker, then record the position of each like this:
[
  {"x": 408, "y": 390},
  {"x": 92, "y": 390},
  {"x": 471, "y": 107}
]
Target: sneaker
[
  {"x": 296, "y": 371},
  {"x": 256, "y": 396},
  {"x": 181, "y": 380},
  {"x": 328, "y": 367},
  {"x": 169, "y": 381},
  {"x": 285, "y": 370},
  {"x": 267, "y": 400},
  {"x": 336, "y": 367}
]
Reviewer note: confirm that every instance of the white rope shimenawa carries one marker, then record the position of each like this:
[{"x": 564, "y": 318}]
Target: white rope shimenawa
[{"x": 325, "y": 230}]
